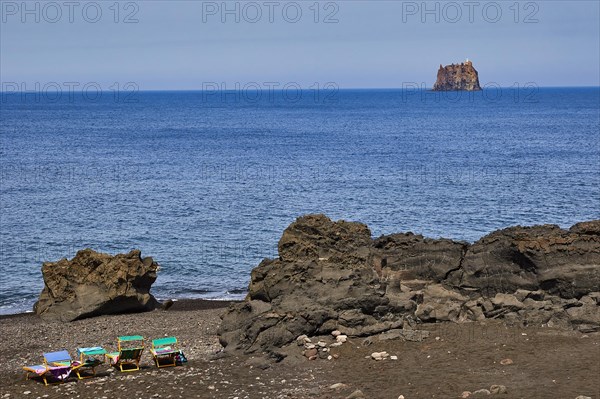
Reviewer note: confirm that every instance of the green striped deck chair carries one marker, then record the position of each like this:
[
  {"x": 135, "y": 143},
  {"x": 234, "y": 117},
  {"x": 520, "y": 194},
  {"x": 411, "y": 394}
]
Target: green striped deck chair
[
  {"x": 130, "y": 353},
  {"x": 164, "y": 351},
  {"x": 89, "y": 359}
]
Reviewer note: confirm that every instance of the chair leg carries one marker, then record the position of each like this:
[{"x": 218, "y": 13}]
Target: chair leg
[
  {"x": 83, "y": 377},
  {"x": 170, "y": 361},
  {"x": 135, "y": 365}
]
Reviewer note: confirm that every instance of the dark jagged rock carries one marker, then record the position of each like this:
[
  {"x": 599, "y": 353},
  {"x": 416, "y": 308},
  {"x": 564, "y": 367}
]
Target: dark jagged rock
[
  {"x": 333, "y": 276},
  {"x": 316, "y": 237},
  {"x": 318, "y": 280},
  {"x": 409, "y": 256},
  {"x": 93, "y": 284},
  {"x": 457, "y": 77},
  {"x": 589, "y": 228},
  {"x": 560, "y": 262}
]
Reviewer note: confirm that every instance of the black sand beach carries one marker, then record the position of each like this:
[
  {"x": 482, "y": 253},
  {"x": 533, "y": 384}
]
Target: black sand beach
[{"x": 454, "y": 358}]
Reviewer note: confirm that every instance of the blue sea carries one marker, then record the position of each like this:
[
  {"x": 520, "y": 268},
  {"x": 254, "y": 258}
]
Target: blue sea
[{"x": 206, "y": 184}]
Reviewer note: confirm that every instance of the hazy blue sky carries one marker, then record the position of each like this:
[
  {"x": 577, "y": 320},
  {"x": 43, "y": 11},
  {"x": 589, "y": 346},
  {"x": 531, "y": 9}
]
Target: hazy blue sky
[{"x": 186, "y": 44}]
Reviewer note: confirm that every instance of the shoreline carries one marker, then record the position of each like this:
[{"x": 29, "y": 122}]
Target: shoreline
[{"x": 178, "y": 305}]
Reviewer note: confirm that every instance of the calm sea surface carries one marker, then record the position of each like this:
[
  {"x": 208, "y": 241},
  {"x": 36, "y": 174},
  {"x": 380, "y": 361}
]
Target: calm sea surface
[{"x": 205, "y": 184}]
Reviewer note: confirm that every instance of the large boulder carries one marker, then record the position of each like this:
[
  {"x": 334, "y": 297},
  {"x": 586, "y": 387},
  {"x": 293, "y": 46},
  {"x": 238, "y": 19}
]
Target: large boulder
[
  {"x": 321, "y": 281},
  {"x": 334, "y": 276},
  {"x": 93, "y": 284}
]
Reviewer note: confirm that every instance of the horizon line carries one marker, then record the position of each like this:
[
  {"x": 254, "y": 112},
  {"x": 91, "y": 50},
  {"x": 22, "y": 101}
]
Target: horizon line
[{"x": 320, "y": 89}]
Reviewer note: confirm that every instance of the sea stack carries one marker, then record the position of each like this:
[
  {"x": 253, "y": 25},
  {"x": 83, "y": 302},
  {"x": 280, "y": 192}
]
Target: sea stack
[{"x": 461, "y": 76}]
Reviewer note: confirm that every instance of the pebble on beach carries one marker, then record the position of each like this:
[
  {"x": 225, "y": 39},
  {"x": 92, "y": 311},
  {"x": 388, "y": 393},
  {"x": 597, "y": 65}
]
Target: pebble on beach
[
  {"x": 379, "y": 355},
  {"x": 497, "y": 389},
  {"x": 338, "y": 385},
  {"x": 356, "y": 394},
  {"x": 341, "y": 338}
]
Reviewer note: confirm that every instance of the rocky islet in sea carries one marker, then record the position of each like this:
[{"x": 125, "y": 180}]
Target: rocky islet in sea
[{"x": 461, "y": 76}]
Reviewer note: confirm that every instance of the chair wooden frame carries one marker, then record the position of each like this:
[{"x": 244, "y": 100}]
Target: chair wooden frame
[
  {"x": 127, "y": 359},
  {"x": 88, "y": 359},
  {"x": 57, "y": 366},
  {"x": 164, "y": 351}
]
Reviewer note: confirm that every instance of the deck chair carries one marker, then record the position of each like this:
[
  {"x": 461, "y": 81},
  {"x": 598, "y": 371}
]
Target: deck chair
[
  {"x": 88, "y": 360},
  {"x": 164, "y": 351},
  {"x": 127, "y": 358},
  {"x": 57, "y": 367}
]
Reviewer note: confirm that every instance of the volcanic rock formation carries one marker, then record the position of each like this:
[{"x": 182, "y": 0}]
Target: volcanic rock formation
[
  {"x": 457, "y": 77},
  {"x": 93, "y": 284},
  {"x": 332, "y": 276}
]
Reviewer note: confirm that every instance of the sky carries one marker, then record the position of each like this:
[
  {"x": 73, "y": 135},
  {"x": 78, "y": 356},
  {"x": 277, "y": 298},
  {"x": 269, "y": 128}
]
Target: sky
[{"x": 189, "y": 45}]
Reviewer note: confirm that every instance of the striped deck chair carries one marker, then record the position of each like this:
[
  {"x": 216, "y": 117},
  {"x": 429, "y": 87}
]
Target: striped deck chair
[
  {"x": 88, "y": 360},
  {"x": 127, "y": 358},
  {"x": 56, "y": 367},
  {"x": 164, "y": 351}
]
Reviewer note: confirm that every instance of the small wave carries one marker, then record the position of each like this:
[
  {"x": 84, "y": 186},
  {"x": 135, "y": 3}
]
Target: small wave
[
  {"x": 237, "y": 291},
  {"x": 16, "y": 306}
]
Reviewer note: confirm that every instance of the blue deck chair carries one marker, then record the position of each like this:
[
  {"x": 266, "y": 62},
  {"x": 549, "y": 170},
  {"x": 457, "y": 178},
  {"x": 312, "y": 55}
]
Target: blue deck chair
[{"x": 56, "y": 367}]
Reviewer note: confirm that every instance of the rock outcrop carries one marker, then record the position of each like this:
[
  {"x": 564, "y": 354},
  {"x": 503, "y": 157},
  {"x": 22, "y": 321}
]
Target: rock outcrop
[
  {"x": 559, "y": 262},
  {"x": 93, "y": 284},
  {"x": 332, "y": 276},
  {"x": 457, "y": 77}
]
